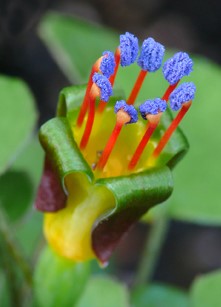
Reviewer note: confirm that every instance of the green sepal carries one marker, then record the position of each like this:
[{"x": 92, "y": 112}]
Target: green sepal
[
  {"x": 134, "y": 195},
  {"x": 61, "y": 149},
  {"x": 58, "y": 281},
  {"x": 70, "y": 99}
]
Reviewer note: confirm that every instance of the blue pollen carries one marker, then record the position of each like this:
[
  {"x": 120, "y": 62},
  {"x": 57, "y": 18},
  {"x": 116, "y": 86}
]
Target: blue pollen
[
  {"x": 152, "y": 106},
  {"x": 129, "y": 109},
  {"x": 178, "y": 66},
  {"x": 107, "y": 64},
  {"x": 151, "y": 55},
  {"x": 183, "y": 93},
  {"x": 128, "y": 49},
  {"x": 104, "y": 85}
]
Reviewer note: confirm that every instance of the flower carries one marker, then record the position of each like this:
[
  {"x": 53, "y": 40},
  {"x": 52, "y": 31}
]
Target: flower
[{"x": 102, "y": 171}]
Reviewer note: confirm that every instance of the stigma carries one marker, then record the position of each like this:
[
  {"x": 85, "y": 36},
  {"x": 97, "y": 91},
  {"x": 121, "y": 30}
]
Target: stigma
[{"x": 102, "y": 126}]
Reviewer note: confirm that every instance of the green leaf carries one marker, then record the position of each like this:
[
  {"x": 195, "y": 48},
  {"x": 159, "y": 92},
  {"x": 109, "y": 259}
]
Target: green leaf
[
  {"x": 30, "y": 161},
  {"x": 28, "y": 229},
  {"x": 16, "y": 193},
  {"x": 4, "y": 291},
  {"x": 104, "y": 292},
  {"x": 75, "y": 44},
  {"x": 18, "y": 188},
  {"x": 157, "y": 295},
  {"x": 205, "y": 290},
  {"x": 18, "y": 119},
  {"x": 28, "y": 232},
  {"x": 57, "y": 281}
]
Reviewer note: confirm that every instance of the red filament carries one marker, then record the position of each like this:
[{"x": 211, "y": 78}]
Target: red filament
[
  {"x": 137, "y": 86},
  {"x": 117, "y": 62},
  {"x": 85, "y": 103},
  {"x": 153, "y": 123},
  {"x": 168, "y": 133},
  {"x": 108, "y": 148},
  {"x": 101, "y": 106},
  {"x": 169, "y": 90},
  {"x": 122, "y": 118},
  {"x": 90, "y": 120},
  {"x": 150, "y": 130}
]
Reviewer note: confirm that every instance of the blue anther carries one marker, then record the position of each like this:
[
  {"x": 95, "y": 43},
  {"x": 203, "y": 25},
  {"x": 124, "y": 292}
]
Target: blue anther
[
  {"x": 104, "y": 85},
  {"x": 152, "y": 106},
  {"x": 151, "y": 55},
  {"x": 107, "y": 64},
  {"x": 129, "y": 109},
  {"x": 128, "y": 49},
  {"x": 183, "y": 93},
  {"x": 178, "y": 66}
]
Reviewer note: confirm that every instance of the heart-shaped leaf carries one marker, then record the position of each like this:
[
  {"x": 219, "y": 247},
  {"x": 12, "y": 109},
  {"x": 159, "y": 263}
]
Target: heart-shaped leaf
[
  {"x": 18, "y": 118},
  {"x": 113, "y": 293},
  {"x": 205, "y": 290},
  {"x": 158, "y": 295}
]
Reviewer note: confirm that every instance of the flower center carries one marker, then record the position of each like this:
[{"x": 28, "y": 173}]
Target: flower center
[{"x": 123, "y": 150}]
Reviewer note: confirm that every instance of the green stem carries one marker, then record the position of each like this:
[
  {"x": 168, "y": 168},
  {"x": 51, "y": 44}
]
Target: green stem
[
  {"x": 151, "y": 251},
  {"x": 10, "y": 276},
  {"x": 13, "y": 260}
]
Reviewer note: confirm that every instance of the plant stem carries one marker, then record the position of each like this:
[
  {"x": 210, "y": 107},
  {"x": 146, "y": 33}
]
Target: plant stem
[
  {"x": 10, "y": 276},
  {"x": 13, "y": 260},
  {"x": 152, "y": 250}
]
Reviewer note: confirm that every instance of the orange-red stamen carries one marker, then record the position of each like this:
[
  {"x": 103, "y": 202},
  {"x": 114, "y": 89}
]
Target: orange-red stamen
[
  {"x": 122, "y": 118},
  {"x": 168, "y": 133},
  {"x": 102, "y": 104},
  {"x": 85, "y": 103},
  {"x": 117, "y": 63},
  {"x": 94, "y": 93},
  {"x": 169, "y": 90},
  {"x": 153, "y": 123},
  {"x": 137, "y": 86}
]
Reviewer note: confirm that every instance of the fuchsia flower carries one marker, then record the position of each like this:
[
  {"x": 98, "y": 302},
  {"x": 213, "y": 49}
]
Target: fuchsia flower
[{"x": 107, "y": 160}]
